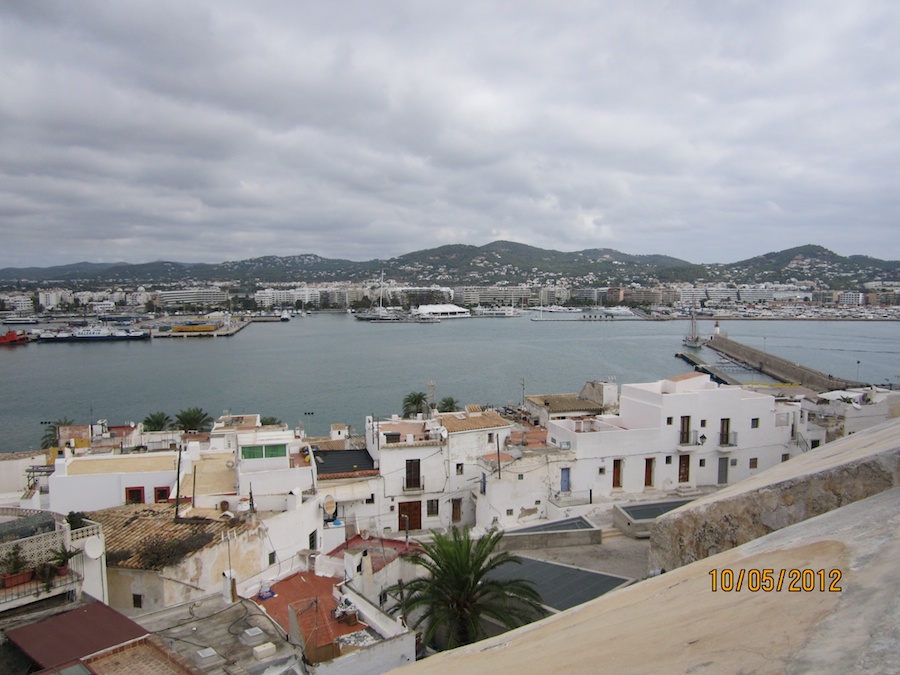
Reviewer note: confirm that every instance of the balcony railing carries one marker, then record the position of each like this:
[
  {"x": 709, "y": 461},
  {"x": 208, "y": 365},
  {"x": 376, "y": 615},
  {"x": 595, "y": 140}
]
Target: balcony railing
[
  {"x": 728, "y": 440},
  {"x": 690, "y": 438},
  {"x": 414, "y": 483}
]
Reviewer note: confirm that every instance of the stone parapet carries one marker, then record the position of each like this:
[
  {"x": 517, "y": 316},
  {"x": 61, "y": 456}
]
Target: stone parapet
[{"x": 811, "y": 484}]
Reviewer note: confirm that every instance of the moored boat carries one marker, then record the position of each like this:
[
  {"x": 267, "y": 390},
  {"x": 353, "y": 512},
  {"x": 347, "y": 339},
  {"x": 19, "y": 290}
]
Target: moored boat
[
  {"x": 93, "y": 334},
  {"x": 12, "y": 338}
]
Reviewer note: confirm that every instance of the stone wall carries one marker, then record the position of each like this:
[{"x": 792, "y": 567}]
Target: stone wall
[
  {"x": 777, "y": 367},
  {"x": 811, "y": 484}
]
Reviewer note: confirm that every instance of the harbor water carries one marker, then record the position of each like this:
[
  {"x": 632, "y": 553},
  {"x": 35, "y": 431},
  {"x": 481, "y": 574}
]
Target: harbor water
[{"x": 329, "y": 368}]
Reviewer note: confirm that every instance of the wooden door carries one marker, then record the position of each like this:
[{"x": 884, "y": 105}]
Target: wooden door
[
  {"x": 617, "y": 473},
  {"x": 648, "y": 472},
  {"x": 684, "y": 468},
  {"x": 410, "y": 516}
]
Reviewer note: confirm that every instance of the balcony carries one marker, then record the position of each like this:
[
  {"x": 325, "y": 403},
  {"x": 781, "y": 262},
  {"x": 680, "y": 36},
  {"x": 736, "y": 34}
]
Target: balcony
[
  {"x": 728, "y": 441},
  {"x": 414, "y": 483},
  {"x": 691, "y": 439}
]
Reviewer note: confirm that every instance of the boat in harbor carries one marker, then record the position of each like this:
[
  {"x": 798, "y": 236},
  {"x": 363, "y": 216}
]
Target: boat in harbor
[
  {"x": 496, "y": 312},
  {"x": 693, "y": 338},
  {"x": 20, "y": 320},
  {"x": 93, "y": 333},
  {"x": 12, "y": 338}
]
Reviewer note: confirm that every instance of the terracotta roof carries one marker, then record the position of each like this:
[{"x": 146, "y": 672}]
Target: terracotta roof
[
  {"x": 312, "y": 598},
  {"x": 559, "y": 403},
  {"x": 126, "y": 528},
  {"x": 455, "y": 422},
  {"x": 75, "y": 634}
]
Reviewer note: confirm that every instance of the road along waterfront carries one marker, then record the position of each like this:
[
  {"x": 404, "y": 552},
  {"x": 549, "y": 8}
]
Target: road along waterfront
[{"x": 327, "y": 368}]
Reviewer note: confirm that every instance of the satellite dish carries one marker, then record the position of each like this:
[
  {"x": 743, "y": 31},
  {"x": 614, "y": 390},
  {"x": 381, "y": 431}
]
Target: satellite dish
[
  {"x": 93, "y": 547},
  {"x": 444, "y": 433},
  {"x": 329, "y": 505}
]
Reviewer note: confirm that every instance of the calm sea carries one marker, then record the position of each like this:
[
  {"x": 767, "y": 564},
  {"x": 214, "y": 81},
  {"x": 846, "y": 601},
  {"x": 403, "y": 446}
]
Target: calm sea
[{"x": 328, "y": 368}]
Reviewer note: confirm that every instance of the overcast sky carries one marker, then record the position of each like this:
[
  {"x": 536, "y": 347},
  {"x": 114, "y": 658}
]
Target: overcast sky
[{"x": 213, "y": 130}]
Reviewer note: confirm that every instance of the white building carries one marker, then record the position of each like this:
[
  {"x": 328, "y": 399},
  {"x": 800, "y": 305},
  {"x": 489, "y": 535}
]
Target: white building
[
  {"x": 672, "y": 435},
  {"x": 443, "y": 311}
]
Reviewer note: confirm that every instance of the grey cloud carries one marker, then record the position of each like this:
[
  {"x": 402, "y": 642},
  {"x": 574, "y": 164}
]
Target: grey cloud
[{"x": 208, "y": 131}]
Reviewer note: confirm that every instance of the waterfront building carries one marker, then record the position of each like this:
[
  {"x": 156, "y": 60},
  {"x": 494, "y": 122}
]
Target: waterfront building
[
  {"x": 210, "y": 295},
  {"x": 681, "y": 432},
  {"x": 444, "y": 311}
]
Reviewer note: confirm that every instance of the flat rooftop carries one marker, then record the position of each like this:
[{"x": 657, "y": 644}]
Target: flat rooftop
[{"x": 561, "y": 586}]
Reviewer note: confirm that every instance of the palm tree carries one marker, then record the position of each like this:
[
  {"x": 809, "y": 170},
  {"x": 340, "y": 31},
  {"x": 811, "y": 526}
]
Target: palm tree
[
  {"x": 269, "y": 421},
  {"x": 415, "y": 402},
  {"x": 50, "y": 439},
  {"x": 158, "y": 421},
  {"x": 459, "y": 590},
  {"x": 193, "y": 419},
  {"x": 448, "y": 404}
]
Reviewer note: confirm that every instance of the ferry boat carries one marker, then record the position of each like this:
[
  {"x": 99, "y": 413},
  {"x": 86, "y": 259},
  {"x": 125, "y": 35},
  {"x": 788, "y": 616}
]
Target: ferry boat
[
  {"x": 496, "y": 312},
  {"x": 93, "y": 334}
]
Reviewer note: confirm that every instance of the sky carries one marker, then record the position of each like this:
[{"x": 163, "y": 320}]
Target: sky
[{"x": 212, "y": 130}]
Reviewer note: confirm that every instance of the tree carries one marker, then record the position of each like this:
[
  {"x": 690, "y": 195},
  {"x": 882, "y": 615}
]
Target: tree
[
  {"x": 459, "y": 592},
  {"x": 50, "y": 439},
  {"x": 158, "y": 421},
  {"x": 193, "y": 419},
  {"x": 269, "y": 421},
  {"x": 414, "y": 403},
  {"x": 448, "y": 404}
]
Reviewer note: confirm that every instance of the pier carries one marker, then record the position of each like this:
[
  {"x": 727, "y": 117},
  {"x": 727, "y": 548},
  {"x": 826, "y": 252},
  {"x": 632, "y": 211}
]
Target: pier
[
  {"x": 777, "y": 367},
  {"x": 702, "y": 366}
]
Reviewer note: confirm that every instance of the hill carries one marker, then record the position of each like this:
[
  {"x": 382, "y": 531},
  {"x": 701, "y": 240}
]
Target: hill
[{"x": 500, "y": 262}]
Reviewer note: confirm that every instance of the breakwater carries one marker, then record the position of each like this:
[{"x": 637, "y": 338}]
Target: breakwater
[{"x": 777, "y": 367}]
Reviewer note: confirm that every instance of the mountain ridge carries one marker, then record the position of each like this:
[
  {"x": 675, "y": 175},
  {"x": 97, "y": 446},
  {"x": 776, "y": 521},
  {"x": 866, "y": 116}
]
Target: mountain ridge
[{"x": 502, "y": 262}]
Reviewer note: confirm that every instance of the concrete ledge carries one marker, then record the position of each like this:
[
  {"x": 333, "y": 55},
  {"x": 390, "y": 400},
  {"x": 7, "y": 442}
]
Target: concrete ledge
[
  {"x": 845, "y": 471},
  {"x": 539, "y": 540}
]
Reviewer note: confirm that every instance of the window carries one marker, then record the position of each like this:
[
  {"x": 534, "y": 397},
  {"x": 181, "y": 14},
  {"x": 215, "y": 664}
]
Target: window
[
  {"x": 263, "y": 451},
  {"x": 490, "y": 437},
  {"x": 413, "y": 477},
  {"x": 432, "y": 506},
  {"x": 813, "y": 444},
  {"x": 602, "y": 471},
  {"x": 272, "y": 558},
  {"x": 785, "y": 457},
  {"x": 160, "y": 495},
  {"x": 754, "y": 462},
  {"x": 459, "y": 469},
  {"x": 754, "y": 423},
  {"x": 137, "y": 600},
  {"x": 734, "y": 461},
  {"x": 521, "y": 476},
  {"x": 509, "y": 512},
  {"x": 703, "y": 424},
  {"x": 313, "y": 539},
  {"x": 702, "y": 462},
  {"x": 669, "y": 421},
  {"x": 370, "y": 499},
  {"x": 134, "y": 495},
  {"x": 668, "y": 459}
]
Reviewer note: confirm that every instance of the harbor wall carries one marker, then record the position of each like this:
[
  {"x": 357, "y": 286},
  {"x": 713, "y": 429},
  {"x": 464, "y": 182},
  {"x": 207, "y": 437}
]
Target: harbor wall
[{"x": 777, "y": 367}]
